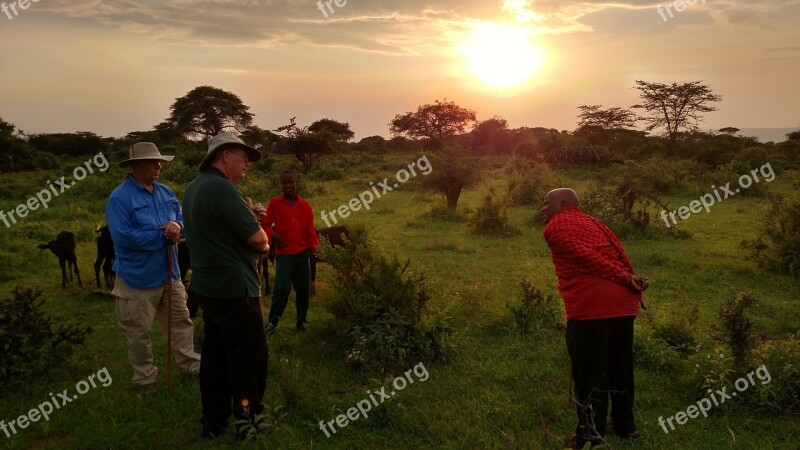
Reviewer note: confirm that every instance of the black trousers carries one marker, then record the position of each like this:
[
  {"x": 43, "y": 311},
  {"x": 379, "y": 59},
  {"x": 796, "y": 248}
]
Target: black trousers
[
  {"x": 233, "y": 366},
  {"x": 291, "y": 271},
  {"x": 601, "y": 354}
]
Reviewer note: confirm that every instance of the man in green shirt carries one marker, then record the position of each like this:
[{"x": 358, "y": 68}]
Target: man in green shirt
[{"x": 225, "y": 240}]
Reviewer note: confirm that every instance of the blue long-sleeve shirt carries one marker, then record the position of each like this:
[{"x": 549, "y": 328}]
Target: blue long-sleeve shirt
[{"x": 134, "y": 216}]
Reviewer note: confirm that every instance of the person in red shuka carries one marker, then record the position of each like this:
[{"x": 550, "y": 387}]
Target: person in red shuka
[
  {"x": 289, "y": 223},
  {"x": 601, "y": 297}
]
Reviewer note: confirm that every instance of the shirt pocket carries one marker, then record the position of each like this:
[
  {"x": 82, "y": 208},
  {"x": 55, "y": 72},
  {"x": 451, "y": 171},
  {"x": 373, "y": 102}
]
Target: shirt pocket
[{"x": 144, "y": 216}]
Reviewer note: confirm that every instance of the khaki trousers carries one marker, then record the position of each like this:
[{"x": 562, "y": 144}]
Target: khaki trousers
[{"x": 136, "y": 309}]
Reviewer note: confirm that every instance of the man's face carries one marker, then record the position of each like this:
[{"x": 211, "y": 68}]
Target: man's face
[
  {"x": 146, "y": 170},
  {"x": 289, "y": 185},
  {"x": 238, "y": 163},
  {"x": 550, "y": 207}
]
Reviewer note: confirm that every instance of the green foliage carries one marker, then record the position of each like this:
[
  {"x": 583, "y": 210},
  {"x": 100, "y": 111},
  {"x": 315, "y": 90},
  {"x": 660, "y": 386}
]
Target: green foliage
[
  {"x": 259, "y": 427},
  {"x": 326, "y": 173},
  {"x": 657, "y": 175},
  {"x": 782, "y": 393},
  {"x": 677, "y": 331},
  {"x": 491, "y": 217},
  {"x": 731, "y": 172},
  {"x": 584, "y": 155},
  {"x": 29, "y": 342},
  {"x": 652, "y": 352},
  {"x": 535, "y": 311},
  {"x": 451, "y": 173},
  {"x": 528, "y": 183},
  {"x": 778, "y": 246},
  {"x": 737, "y": 327},
  {"x": 383, "y": 311}
]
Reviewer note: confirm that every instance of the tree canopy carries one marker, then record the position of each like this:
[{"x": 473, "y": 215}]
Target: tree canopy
[
  {"x": 675, "y": 107},
  {"x": 339, "y": 131},
  {"x": 206, "y": 111},
  {"x": 435, "y": 121},
  {"x": 607, "y": 119}
]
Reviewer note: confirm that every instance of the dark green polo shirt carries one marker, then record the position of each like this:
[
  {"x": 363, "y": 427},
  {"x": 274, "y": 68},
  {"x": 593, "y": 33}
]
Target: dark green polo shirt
[{"x": 217, "y": 225}]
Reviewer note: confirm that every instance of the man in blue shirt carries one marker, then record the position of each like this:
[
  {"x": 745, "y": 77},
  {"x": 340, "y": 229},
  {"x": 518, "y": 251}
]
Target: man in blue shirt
[{"x": 145, "y": 220}]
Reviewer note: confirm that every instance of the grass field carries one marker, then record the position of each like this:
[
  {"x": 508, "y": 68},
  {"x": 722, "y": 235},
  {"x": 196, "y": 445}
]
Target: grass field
[{"x": 501, "y": 389}]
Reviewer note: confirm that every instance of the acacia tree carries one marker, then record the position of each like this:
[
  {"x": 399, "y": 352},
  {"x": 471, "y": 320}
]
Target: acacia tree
[
  {"x": 307, "y": 146},
  {"x": 451, "y": 173},
  {"x": 607, "y": 119},
  {"x": 675, "y": 106},
  {"x": 340, "y": 131},
  {"x": 491, "y": 136},
  {"x": 437, "y": 121},
  {"x": 206, "y": 111},
  {"x": 730, "y": 131}
]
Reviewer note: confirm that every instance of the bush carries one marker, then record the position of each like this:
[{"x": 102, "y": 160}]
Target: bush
[
  {"x": 326, "y": 173},
  {"x": 383, "y": 311},
  {"x": 661, "y": 176},
  {"x": 535, "y": 311},
  {"x": 730, "y": 173},
  {"x": 529, "y": 185},
  {"x": 778, "y": 247},
  {"x": 491, "y": 217},
  {"x": 29, "y": 343},
  {"x": 737, "y": 328},
  {"x": 677, "y": 331},
  {"x": 782, "y": 393},
  {"x": 652, "y": 352}
]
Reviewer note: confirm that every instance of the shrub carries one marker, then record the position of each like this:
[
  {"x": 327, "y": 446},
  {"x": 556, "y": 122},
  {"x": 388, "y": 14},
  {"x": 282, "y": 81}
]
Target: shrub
[
  {"x": 661, "y": 176},
  {"x": 778, "y": 247},
  {"x": 491, "y": 217},
  {"x": 326, "y": 173},
  {"x": 737, "y": 328},
  {"x": 383, "y": 311},
  {"x": 529, "y": 185},
  {"x": 782, "y": 393},
  {"x": 677, "y": 331},
  {"x": 30, "y": 344},
  {"x": 730, "y": 173},
  {"x": 652, "y": 352},
  {"x": 535, "y": 311}
]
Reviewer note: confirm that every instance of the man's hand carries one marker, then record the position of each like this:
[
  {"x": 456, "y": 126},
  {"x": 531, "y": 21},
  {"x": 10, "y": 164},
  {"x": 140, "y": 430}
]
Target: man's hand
[
  {"x": 640, "y": 283},
  {"x": 277, "y": 240},
  {"x": 258, "y": 209},
  {"x": 172, "y": 231}
]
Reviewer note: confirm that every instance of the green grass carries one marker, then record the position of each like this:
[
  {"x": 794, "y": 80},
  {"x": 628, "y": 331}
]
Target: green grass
[{"x": 501, "y": 390}]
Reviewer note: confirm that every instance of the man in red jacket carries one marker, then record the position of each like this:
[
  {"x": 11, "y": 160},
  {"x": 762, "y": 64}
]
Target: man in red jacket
[
  {"x": 601, "y": 297},
  {"x": 289, "y": 223}
]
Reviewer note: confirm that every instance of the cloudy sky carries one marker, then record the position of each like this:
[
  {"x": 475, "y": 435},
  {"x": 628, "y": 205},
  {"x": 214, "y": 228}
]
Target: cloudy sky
[{"x": 116, "y": 66}]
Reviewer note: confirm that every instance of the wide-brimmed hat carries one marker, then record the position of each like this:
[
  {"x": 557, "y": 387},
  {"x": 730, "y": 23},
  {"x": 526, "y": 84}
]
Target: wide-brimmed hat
[
  {"x": 226, "y": 141},
  {"x": 144, "y": 151}
]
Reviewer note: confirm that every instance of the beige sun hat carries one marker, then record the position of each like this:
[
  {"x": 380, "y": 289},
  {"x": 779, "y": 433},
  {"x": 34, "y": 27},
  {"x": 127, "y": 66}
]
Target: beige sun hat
[
  {"x": 144, "y": 151},
  {"x": 224, "y": 141}
]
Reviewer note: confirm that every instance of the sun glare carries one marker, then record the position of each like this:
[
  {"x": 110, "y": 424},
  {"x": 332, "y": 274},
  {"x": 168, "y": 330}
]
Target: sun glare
[{"x": 501, "y": 56}]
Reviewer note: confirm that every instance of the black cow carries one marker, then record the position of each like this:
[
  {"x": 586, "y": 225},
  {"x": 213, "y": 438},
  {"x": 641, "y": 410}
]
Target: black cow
[
  {"x": 105, "y": 257},
  {"x": 64, "y": 247}
]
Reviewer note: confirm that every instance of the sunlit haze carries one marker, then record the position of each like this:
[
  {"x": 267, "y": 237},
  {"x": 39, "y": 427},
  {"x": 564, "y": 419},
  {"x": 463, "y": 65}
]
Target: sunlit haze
[{"x": 116, "y": 66}]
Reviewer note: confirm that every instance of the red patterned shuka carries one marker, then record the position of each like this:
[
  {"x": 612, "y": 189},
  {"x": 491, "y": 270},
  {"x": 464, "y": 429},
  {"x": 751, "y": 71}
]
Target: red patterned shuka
[{"x": 594, "y": 273}]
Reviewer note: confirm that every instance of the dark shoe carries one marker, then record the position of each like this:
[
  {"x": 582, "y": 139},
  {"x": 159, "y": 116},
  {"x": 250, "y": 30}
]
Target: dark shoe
[
  {"x": 212, "y": 430},
  {"x": 633, "y": 435},
  {"x": 146, "y": 390}
]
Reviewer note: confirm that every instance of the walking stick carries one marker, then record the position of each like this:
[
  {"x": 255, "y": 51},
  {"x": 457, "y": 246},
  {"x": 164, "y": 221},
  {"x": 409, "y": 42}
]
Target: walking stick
[{"x": 169, "y": 318}]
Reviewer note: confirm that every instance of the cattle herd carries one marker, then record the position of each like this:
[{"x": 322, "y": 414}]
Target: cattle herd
[{"x": 65, "y": 248}]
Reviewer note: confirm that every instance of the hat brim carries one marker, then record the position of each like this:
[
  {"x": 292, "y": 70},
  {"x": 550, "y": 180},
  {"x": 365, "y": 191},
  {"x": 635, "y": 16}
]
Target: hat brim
[
  {"x": 128, "y": 162},
  {"x": 252, "y": 154}
]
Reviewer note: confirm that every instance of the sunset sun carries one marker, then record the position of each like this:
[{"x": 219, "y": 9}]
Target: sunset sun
[{"x": 501, "y": 56}]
